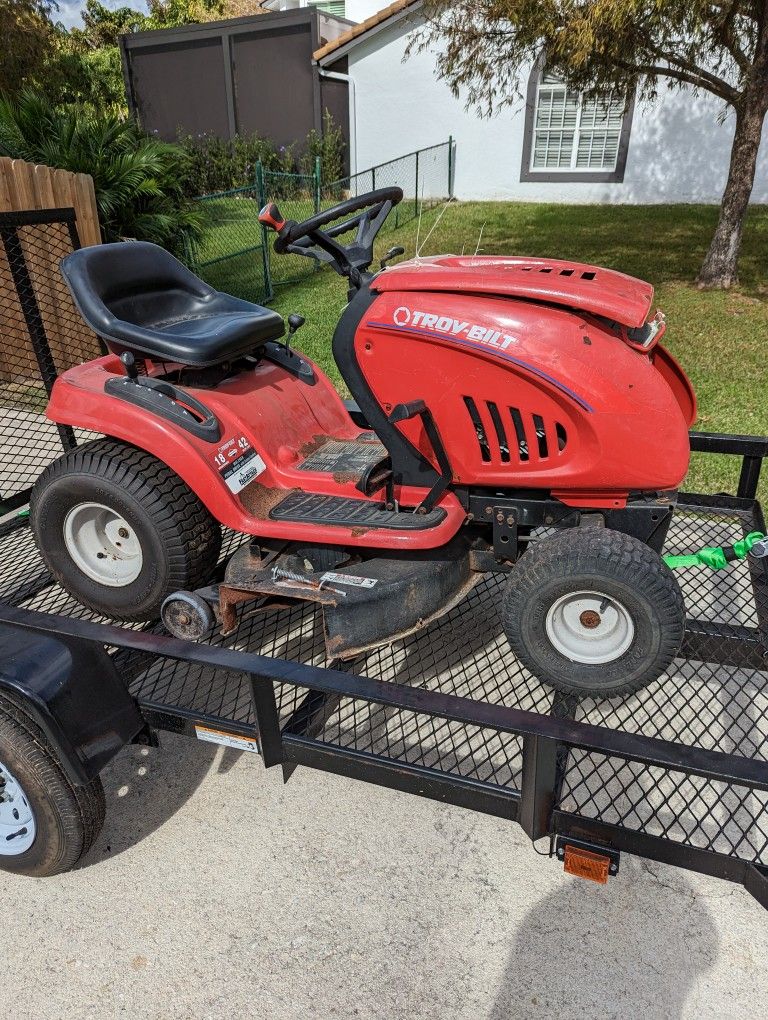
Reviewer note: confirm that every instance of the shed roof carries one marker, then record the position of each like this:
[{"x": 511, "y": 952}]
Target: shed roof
[{"x": 357, "y": 32}]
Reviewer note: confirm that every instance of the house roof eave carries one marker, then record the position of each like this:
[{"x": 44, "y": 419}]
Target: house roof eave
[{"x": 338, "y": 48}]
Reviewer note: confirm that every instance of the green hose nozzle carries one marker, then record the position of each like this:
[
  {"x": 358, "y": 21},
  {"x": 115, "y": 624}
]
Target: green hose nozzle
[{"x": 718, "y": 557}]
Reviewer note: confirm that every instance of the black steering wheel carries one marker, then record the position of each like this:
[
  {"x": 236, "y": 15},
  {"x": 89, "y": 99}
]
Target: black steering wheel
[{"x": 366, "y": 214}]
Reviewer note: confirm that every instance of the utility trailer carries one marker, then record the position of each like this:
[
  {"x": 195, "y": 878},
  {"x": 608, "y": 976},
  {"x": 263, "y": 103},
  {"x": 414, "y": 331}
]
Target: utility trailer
[{"x": 675, "y": 773}]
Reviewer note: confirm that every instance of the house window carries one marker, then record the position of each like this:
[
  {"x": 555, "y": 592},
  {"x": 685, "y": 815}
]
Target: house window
[{"x": 573, "y": 136}]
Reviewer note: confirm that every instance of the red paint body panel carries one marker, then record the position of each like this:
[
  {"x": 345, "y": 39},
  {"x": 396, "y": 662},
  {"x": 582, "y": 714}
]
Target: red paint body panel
[
  {"x": 278, "y": 416},
  {"x": 611, "y": 421},
  {"x": 528, "y": 377},
  {"x": 672, "y": 371},
  {"x": 597, "y": 291}
]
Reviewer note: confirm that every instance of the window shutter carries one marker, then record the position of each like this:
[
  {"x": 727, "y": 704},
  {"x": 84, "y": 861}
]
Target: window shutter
[
  {"x": 601, "y": 119},
  {"x": 557, "y": 112},
  {"x": 337, "y": 7}
]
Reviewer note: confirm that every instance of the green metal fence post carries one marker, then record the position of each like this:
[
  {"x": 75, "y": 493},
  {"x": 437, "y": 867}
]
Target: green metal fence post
[
  {"x": 318, "y": 181},
  {"x": 416, "y": 199},
  {"x": 450, "y": 166},
  {"x": 260, "y": 184},
  {"x": 265, "y": 258}
]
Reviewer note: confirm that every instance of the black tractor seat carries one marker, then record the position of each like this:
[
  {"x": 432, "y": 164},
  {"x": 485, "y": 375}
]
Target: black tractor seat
[{"x": 139, "y": 298}]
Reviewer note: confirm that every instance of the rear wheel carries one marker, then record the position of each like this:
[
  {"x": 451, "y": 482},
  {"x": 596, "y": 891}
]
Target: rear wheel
[
  {"x": 120, "y": 531},
  {"x": 46, "y": 824},
  {"x": 594, "y": 612}
]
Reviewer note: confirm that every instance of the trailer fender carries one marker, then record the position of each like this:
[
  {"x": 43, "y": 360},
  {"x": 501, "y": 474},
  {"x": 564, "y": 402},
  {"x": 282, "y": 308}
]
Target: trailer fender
[{"x": 72, "y": 692}]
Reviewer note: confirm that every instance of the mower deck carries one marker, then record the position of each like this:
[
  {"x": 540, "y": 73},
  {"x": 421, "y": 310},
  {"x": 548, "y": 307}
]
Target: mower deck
[{"x": 716, "y": 699}]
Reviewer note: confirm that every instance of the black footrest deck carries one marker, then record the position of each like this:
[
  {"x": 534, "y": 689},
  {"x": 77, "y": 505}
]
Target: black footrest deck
[{"x": 341, "y": 511}]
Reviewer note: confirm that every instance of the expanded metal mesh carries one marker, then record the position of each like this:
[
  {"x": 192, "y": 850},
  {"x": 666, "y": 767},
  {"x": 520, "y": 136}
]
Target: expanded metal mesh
[
  {"x": 702, "y": 701},
  {"x": 42, "y": 335},
  {"x": 716, "y": 816}
]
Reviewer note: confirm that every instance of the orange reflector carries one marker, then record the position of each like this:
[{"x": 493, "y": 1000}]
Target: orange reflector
[{"x": 585, "y": 864}]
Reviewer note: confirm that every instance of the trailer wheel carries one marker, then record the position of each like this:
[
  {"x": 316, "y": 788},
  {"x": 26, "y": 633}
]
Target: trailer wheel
[
  {"x": 46, "y": 824},
  {"x": 594, "y": 612},
  {"x": 120, "y": 531}
]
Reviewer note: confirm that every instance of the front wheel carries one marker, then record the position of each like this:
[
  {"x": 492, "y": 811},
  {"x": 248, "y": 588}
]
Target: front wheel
[
  {"x": 120, "y": 531},
  {"x": 594, "y": 612}
]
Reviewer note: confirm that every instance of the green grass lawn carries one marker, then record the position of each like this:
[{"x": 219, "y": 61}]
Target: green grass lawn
[{"x": 721, "y": 338}]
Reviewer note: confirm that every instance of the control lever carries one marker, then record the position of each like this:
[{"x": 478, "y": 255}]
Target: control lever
[
  {"x": 129, "y": 364},
  {"x": 392, "y": 254},
  {"x": 295, "y": 322}
]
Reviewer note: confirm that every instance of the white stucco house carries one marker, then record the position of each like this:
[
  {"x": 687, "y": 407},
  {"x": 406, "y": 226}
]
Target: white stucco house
[{"x": 551, "y": 145}]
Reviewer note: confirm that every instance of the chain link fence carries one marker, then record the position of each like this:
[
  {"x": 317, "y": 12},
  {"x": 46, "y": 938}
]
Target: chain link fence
[
  {"x": 426, "y": 177},
  {"x": 232, "y": 254},
  {"x": 235, "y": 252}
]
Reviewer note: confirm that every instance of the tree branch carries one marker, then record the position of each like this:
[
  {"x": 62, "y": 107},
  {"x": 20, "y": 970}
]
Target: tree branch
[
  {"x": 725, "y": 29},
  {"x": 699, "y": 77},
  {"x": 727, "y": 93}
]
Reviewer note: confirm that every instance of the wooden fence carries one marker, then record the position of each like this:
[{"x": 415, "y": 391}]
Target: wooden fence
[{"x": 25, "y": 187}]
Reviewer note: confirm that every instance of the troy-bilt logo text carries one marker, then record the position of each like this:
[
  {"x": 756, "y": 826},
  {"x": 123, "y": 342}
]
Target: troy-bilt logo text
[{"x": 454, "y": 327}]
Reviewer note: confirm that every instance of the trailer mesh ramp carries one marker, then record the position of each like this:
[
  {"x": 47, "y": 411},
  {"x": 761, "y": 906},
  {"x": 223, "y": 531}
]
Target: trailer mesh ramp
[{"x": 715, "y": 697}]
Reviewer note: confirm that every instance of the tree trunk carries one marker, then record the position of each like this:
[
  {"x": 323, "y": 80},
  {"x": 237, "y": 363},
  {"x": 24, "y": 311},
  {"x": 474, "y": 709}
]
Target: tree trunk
[{"x": 720, "y": 267}]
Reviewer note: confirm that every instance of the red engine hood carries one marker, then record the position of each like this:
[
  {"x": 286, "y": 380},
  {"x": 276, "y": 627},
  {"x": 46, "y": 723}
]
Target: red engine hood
[{"x": 588, "y": 288}]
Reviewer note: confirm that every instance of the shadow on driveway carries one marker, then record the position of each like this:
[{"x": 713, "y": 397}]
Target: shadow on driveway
[
  {"x": 144, "y": 787},
  {"x": 639, "y": 947}
]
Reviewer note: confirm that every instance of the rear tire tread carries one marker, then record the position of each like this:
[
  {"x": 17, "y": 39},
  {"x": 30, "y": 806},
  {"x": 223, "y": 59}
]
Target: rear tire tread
[{"x": 194, "y": 544}]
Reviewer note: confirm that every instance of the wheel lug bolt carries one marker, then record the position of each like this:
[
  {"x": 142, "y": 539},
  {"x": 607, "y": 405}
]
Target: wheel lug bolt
[{"x": 123, "y": 532}]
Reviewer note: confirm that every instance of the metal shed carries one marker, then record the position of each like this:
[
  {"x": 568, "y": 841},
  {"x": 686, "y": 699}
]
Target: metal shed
[{"x": 252, "y": 75}]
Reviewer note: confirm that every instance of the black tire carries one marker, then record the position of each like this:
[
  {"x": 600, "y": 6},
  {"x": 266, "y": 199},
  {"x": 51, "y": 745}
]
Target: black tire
[
  {"x": 617, "y": 566},
  {"x": 179, "y": 539},
  {"x": 67, "y": 818}
]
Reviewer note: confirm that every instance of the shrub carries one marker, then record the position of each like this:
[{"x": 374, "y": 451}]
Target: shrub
[
  {"x": 328, "y": 146},
  {"x": 217, "y": 164},
  {"x": 138, "y": 180}
]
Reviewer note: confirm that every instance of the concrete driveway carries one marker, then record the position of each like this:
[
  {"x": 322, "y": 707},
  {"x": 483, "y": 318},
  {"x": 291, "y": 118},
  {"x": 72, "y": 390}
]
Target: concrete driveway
[{"x": 214, "y": 891}]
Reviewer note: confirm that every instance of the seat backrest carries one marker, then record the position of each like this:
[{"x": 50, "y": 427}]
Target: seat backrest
[{"x": 132, "y": 281}]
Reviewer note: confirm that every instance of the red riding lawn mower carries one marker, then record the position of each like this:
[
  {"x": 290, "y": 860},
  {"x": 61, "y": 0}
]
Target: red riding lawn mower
[{"x": 515, "y": 415}]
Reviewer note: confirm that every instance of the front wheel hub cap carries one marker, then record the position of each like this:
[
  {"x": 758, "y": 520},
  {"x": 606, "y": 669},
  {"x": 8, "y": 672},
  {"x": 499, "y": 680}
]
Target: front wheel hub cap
[
  {"x": 17, "y": 819},
  {"x": 590, "y": 627}
]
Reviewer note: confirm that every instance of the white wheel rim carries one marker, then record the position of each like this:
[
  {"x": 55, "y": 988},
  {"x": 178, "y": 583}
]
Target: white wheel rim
[
  {"x": 17, "y": 819},
  {"x": 589, "y": 627},
  {"x": 103, "y": 545}
]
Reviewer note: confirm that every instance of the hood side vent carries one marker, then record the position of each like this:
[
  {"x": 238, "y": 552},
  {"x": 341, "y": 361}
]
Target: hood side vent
[
  {"x": 522, "y": 439},
  {"x": 512, "y": 435},
  {"x": 479, "y": 427},
  {"x": 501, "y": 434}
]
